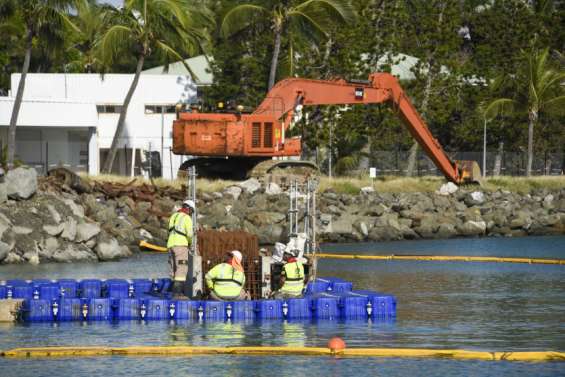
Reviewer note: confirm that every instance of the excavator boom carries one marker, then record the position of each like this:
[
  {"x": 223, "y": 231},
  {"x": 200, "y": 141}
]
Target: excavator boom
[{"x": 262, "y": 133}]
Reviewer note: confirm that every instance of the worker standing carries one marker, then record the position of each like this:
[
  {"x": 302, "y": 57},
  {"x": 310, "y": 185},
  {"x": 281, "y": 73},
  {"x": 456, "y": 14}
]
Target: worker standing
[
  {"x": 226, "y": 280},
  {"x": 292, "y": 277},
  {"x": 178, "y": 245}
]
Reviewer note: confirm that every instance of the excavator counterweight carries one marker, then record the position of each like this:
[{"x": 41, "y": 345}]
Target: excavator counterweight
[{"x": 233, "y": 144}]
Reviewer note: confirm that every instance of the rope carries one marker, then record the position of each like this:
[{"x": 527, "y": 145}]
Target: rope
[{"x": 77, "y": 351}]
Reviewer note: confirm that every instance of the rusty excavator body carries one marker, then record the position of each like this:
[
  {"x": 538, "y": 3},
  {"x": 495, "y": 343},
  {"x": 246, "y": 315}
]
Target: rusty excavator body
[{"x": 236, "y": 145}]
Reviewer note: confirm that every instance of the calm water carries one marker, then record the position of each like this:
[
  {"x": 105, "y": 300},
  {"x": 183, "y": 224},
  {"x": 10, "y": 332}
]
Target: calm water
[{"x": 480, "y": 306}]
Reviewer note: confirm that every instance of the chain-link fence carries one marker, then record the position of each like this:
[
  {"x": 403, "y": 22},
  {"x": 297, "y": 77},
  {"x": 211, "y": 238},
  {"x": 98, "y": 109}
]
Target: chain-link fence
[{"x": 506, "y": 163}]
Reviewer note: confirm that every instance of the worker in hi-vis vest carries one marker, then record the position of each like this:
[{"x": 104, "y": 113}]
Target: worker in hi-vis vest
[
  {"x": 178, "y": 245},
  {"x": 292, "y": 276},
  {"x": 226, "y": 280}
]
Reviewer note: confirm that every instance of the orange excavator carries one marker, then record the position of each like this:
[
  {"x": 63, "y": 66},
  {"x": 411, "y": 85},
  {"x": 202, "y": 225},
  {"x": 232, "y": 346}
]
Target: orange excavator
[{"x": 238, "y": 145}]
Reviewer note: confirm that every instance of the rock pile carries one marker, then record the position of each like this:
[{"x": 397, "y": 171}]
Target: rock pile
[{"x": 59, "y": 224}]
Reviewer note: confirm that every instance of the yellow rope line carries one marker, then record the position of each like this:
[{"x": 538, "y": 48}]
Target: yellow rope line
[
  {"x": 448, "y": 258},
  {"x": 76, "y": 351},
  {"x": 444, "y": 258}
]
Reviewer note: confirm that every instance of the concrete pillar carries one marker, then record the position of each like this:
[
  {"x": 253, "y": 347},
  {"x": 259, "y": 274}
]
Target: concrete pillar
[{"x": 93, "y": 152}]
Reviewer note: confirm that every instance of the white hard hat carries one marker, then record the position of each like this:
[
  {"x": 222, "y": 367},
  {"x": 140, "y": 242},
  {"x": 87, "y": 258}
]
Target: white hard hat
[
  {"x": 292, "y": 252},
  {"x": 189, "y": 203},
  {"x": 237, "y": 255}
]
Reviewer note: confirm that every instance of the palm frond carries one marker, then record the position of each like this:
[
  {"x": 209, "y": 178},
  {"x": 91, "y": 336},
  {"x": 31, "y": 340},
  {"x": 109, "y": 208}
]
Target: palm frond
[
  {"x": 327, "y": 12},
  {"x": 240, "y": 17},
  {"x": 555, "y": 106},
  {"x": 114, "y": 41},
  {"x": 500, "y": 106}
]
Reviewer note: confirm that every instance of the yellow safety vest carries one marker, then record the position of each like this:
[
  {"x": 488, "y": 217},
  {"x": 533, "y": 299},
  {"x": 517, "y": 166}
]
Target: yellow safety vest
[
  {"x": 294, "y": 279},
  {"x": 180, "y": 230},
  {"x": 225, "y": 281}
]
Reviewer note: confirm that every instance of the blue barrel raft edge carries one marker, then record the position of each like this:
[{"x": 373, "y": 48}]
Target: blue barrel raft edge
[{"x": 148, "y": 299}]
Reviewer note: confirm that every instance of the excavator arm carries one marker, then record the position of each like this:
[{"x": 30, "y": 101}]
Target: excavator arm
[{"x": 288, "y": 94}]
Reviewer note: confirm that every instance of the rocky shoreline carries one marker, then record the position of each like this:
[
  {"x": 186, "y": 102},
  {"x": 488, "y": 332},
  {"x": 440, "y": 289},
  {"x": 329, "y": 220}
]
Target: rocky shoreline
[{"x": 60, "y": 225}]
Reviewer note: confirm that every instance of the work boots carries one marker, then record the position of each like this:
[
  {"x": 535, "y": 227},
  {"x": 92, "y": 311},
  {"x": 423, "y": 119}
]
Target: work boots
[{"x": 178, "y": 291}]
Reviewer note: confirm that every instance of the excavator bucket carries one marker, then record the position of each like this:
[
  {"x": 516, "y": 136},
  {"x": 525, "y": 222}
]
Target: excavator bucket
[{"x": 469, "y": 171}]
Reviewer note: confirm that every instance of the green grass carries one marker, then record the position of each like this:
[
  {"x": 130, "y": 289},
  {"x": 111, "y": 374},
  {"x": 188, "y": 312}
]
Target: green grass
[{"x": 352, "y": 186}]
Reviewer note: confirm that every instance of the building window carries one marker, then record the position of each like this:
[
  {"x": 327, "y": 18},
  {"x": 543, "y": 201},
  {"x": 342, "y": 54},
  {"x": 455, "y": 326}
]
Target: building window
[
  {"x": 109, "y": 109},
  {"x": 158, "y": 109}
]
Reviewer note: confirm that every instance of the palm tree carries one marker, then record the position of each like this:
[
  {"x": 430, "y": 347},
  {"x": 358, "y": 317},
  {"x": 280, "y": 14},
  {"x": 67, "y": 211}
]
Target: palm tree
[
  {"x": 539, "y": 89},
  {"x": 307, "y": 18},
  {"x": 169, "y": 28},
  {"x": 45, "y": 21},
  {"x": 91, "y": 19}
]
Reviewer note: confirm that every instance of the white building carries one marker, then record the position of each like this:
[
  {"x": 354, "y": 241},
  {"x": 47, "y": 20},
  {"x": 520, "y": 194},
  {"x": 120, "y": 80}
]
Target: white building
[{"x": 70, "y": 119}]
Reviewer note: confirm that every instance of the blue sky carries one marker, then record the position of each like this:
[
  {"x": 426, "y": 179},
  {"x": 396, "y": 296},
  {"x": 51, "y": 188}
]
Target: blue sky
[{"x": 113, "y": 2}]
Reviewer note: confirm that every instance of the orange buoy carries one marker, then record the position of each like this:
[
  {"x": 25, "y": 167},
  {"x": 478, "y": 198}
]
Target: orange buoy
[{"x": 336, "y": 344}]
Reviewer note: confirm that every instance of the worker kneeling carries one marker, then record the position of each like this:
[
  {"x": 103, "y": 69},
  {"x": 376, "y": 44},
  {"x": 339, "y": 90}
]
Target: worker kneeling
[
  {"x": 226, "y": 280},
  {"x": 292, "y": 277}
]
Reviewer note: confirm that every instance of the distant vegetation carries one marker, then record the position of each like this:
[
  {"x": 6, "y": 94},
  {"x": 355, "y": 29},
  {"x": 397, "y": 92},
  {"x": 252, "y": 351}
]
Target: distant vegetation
[{"x": 493, "y": 62}]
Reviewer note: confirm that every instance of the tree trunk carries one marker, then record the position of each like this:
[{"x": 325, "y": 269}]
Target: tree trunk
[
  {"x": 498, "y": 160},
  {"x": 275, "y": 61},
  {"x": 109, "y": 163},
  {"x": 530, "y": 144},
  {"x": 18, "y": 103}
]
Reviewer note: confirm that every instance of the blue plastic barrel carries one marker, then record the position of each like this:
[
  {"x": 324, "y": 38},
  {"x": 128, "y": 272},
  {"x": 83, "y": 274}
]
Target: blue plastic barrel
[
  {"x": 69, "y": 287},
  {"x": 141, "y": 287},
  {"x": 269, "y": 309},
  {"x": 325, "y": 307},
  {"x": 162, "y": 284},
  {"x": 155, "y": 309},
  {"x": 17, "y": 282},
  {"x": 317, "y": 286},
  {"x": 297, "y": 308},
  {"x": 23, "y": 291},
  {"x": 38, "y": 282},
  {"x": 128, "y": 308},
  {"x": 3, "y": 291},
  {"x": 186, "y": 309},
  {"x": 99, "y": 309},
  {"x": 214, "y": 310},
  {"x": 37, "y": 310},
  {"x": 240, "y": 310},
  {"x": 354, "y": 306},
  {"x": 338, "y": 285},
  {"x": 382, "y": 305},
  {"x": 70, "y": 309},
  {"x": 90, "y": 288},
  {"x": 50, "y": 291},
  {"x": 116, "y": 288}
]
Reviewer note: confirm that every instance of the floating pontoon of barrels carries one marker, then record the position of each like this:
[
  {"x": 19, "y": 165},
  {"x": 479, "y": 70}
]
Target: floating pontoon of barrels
[{"x": 148, "y": 299}]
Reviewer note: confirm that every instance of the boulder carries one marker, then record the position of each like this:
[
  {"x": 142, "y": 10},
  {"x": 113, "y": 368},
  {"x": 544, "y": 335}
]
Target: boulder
[
  {"x": 270, "y": 234},
  {"x": 362, "y": 228},
  {"x": 54, "y": 230},
  {"x": 473, "y": 228},
  {"x": 376, "y": 210},
  {"x": 521, "y": 219},
  {"x": 4, "y": 250},
  {"x": 447, "y": 189},
  {"x": 21, "y": 183},
  {"x": 548, "y": 201},
  {"x": 474, "y": 198},
  {"x": 446, "y": 231},
  {"x": 86, "y": 231},
  {"x": 273, "y": 189},
  {"x": 265, "y": 218},
  {"x": 48, "y": 247},
  {"x": 108, "y": 248},
  {"x": 233, "y": 191},
  {"x": 69, "y": 229},
  {"x": 3, "y": 192},
  {"x": 22, "y": 230},
  {"x": 367, "y": 190},
  {"x": 76, "y": 209},
  {"x": 251, "y": 185},
  {"x": 73, "y": 253},
  {"x": 55, "y": 215}
]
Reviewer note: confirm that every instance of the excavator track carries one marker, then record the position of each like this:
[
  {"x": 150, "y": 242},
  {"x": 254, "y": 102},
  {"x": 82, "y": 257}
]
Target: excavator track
[{"x": 283, "y": 172}]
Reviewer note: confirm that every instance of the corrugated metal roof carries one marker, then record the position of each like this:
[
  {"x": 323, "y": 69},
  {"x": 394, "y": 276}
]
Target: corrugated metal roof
[{"x": 199, "y": 65}]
